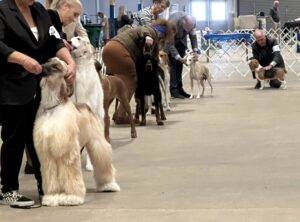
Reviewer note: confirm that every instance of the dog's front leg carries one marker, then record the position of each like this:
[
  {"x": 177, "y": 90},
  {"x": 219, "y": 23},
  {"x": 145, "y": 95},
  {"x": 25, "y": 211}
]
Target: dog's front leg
[
  {"x": 192, "y": 88},
  {"x": 158, "y": 108},
  {"x": 203, "y": 87},
  {"x": 262, "y": 84},
  {"x": 137, "y": 109},
  {"x": 143, "y": 111}
]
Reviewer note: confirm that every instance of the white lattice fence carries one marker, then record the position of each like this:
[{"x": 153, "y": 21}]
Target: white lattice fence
[{"x": 229, "y": 57}]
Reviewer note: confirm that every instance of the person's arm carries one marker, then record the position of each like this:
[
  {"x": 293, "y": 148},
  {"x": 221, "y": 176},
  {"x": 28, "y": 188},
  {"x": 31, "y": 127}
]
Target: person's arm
[
  {"x": 193, "y": 38},
  {"x": 277, "y": 57},
  {"x": 30, "y": 64}
]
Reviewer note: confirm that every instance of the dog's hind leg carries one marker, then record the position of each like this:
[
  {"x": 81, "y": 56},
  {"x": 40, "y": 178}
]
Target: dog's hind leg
[
  {"x": 104, "y": 173},
  {"x": 125, "y": 103},
  {"x": 211, "y": 87}
]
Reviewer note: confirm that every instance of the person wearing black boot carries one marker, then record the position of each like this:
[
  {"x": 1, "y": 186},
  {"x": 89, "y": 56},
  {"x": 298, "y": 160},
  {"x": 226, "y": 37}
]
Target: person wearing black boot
[
  {"x": 185, "y": 26},
  {"x": 267, "y": 52}
]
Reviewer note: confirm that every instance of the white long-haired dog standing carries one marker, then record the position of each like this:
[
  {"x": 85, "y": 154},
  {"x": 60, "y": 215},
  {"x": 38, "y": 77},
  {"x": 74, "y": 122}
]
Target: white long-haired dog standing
[
  {"x": 88, "y": 88},
  {"x": 61, "y": 129}
]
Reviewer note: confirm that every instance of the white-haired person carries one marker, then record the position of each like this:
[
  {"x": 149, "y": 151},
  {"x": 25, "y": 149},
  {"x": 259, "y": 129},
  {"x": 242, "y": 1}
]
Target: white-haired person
[
  {"x": 68, "y": 12},
  {"x": 275, "y": 16},
  {"x": 27, "y": 40}
]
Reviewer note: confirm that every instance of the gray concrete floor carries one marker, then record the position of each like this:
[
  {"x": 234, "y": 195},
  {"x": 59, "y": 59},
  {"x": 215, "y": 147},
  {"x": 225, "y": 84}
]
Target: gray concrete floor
[{"x": 234, "y": 157}]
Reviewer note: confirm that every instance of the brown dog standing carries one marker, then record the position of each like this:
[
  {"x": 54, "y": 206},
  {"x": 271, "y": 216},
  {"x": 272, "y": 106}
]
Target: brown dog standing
[{"x": 114, "y": 88}]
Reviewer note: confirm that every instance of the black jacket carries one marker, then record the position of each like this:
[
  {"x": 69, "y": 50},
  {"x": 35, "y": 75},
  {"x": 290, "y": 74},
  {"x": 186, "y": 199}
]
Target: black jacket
[
  {"x": 17, "y": 86},
  {"x": 266, "y": 54}
]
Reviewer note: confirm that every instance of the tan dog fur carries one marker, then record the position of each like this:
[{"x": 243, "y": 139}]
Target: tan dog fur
[
  {"x": 198, "y": 72},
  {"x": 61, "y": 129}
]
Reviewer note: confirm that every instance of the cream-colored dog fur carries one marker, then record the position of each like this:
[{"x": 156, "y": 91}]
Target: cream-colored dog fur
[
  {"x": 165, "y": 85},
  {"x": 200, "y": 73},
  {"x": 88, "y": 88},
  {"x": 61, "y": 129}
]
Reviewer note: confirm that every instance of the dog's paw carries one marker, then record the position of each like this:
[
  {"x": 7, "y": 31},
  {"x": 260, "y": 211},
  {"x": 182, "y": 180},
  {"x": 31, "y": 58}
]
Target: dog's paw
[
  {"x": 133, "y": 134},
  {"x": 50, "y": 200},
  {"x": 109, "y": 187},
  {"x": 89, "y": 167},
  {"x": 70, "y": 200}
]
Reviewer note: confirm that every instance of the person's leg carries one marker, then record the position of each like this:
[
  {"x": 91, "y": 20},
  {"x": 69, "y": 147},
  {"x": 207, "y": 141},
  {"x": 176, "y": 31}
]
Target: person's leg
[
  {"x": 119, "y": 62},
  {"x": 32, "y": 109},
  {"x": 12, "y": 147},
  {"x": 12, "y": 134},
  {"x": 181, "y": 50}
]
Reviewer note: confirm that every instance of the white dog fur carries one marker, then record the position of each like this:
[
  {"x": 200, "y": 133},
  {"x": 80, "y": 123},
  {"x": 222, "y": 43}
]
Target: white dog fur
[
  {"x": 88, "y": 88},
  {"x": 198, "y": 72},
  {"x": 165, "y": 84},
  {"x": 61, "y": 129}
]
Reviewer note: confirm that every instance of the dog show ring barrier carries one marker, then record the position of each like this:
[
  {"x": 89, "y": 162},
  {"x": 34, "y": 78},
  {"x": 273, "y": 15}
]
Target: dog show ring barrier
[{"x": 226, "y": 53}]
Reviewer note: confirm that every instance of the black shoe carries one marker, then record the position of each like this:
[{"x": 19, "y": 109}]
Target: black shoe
[
  {"x": 177, "y": 95},
  {"x": 183, "y": 93},
  {"x": 15, "y": 198},
  {"x": 28, "y": 169},
  {"x": 257, "y": 86}
]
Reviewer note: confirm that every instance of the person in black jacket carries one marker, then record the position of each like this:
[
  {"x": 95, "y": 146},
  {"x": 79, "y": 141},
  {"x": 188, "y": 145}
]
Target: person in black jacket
[
  {"x": 267, "y": 52},
  {"x": 27, "y": 40},
  {"x": 123, "y": 18}
]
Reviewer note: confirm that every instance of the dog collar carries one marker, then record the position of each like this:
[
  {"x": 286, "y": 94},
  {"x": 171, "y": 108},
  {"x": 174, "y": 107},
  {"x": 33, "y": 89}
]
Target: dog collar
[{"x": 54, "y": 106}]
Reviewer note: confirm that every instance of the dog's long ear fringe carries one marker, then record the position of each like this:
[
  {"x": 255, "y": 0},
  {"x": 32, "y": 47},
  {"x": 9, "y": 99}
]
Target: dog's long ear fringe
[{"x": 70, "y": 90}]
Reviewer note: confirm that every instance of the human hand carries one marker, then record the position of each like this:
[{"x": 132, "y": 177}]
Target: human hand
[
  {"x": 268, "y": 67},
  {"x": 195, "y": 55},
  {"x": 31, "y": 65},
  {"x": 149, "y": 40},
  {"x": 70, "y": 77},
  {"x": 183, "y": 60}
]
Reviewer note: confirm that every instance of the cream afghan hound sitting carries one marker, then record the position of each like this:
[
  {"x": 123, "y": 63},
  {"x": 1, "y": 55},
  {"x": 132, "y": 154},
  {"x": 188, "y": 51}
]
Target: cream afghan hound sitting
[{"x": 61, "y": 129}]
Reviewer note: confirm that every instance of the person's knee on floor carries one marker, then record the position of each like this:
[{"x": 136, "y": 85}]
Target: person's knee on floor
[{"x": 275, "y": 83}]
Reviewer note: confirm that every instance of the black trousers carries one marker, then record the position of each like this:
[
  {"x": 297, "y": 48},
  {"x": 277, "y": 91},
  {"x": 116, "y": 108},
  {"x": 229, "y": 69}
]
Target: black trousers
[
  {"x": 176, "y": 70},
  {"x": 17, "y": 131}
]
